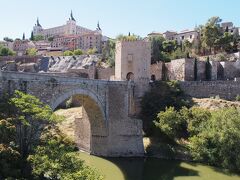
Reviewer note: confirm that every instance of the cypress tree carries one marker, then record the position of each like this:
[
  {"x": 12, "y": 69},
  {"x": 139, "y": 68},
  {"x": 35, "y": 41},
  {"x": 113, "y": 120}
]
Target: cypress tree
[
  {"x": 32, "y": 37},
  {"x": 23, "y": 38},
  {"x": 195, "y": 69},
  {"x": 208, "y": 69}
]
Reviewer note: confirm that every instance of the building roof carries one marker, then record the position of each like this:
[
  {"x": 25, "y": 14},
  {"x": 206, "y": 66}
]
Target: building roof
[
  {"x": 186, "y": 31},
  {"x": 154, "y": 34}
]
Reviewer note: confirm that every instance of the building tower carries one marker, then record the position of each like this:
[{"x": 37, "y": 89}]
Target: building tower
[
  {"x": 71, "y": 28},
  {"x": 98, "y": 29},
  {"x": 37, "y": 29},
  {"x": 133, "y": 60},
  {"x": 132, "y": 63}
]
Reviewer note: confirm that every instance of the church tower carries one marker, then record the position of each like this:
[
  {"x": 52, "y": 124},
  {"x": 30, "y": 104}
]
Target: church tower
[
  {"x": 98, "y": 29},
  {"x": 37, "y": 29},
  {"x": 71, "y": 28}
]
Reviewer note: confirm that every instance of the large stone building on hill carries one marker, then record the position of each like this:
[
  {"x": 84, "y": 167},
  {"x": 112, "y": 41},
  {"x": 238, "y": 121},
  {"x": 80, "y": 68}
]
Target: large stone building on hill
[{"x": 71, "y": 36}]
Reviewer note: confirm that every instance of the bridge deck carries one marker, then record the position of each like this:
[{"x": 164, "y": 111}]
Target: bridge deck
[{"x": 46, "y": 76}]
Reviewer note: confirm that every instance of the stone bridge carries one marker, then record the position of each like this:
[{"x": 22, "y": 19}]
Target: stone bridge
[{"x": 107, "y": 126}]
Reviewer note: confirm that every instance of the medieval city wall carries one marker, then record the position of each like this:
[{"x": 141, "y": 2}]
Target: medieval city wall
[
  {"x": 194, "y": 70},
  {"x": 22, "y": 59},
  {"x": 206, "y": 89},
  {"x": 105, "y": 73}
]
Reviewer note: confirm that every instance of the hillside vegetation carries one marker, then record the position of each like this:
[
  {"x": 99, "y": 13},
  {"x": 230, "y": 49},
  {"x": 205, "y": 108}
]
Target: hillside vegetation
[{"x": 202, "y": 130}]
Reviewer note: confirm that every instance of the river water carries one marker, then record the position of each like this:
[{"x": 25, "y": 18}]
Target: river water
[{"x": 154, "y": 169}]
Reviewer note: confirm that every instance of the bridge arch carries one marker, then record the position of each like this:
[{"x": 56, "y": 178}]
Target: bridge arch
[{"x": 91, "y": 129}]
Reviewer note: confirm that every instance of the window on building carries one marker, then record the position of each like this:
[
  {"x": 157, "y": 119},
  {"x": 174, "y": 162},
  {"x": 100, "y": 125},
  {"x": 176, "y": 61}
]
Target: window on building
[
  {"x": 190, "y": 36},
  {"x": 130, "y": 57},
  {"x": 182, "y": 37}
]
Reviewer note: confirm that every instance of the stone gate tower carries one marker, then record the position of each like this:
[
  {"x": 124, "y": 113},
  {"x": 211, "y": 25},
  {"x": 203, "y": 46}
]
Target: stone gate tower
[
  {"x": 133, "y": 60},
  {"x": 132, "y": 63}
]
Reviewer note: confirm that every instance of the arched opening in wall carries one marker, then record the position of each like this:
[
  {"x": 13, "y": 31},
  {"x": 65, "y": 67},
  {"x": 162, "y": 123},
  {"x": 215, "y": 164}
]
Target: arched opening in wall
[
  {"x": 153, "y": 77},
  {"x": 85, "y": 123},
  {"x": 130, "y": 76}
]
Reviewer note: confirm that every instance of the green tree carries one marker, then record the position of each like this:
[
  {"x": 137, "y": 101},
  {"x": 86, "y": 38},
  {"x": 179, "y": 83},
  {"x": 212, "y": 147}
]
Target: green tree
[
  {"x": 208, "y": 70},
  {"x": 10, "y": 159},
  {"x": 226, "y": 42},
  {"x": 7, "y": 39},
  {"x": 157, "y": 48},
  {"x": 219, "y": 141},
  {"x": 31, "y": 51},
  {"x": 177, "y": 54},
  {"x": 171, "y": 123},
  {"x": 211, "y": 33},
  {"x": 9, "y": 162},
  {"x": 4, "y": 51},
  {"x": 187, "y": 47},
  {"x": 92, "y": 51},
  {"x": 155, "y": 101},
  {"x": 130, "y": 37},
  {"x": 38, "y": 38},
  {"x": 56, "y": 158},
  {"x": 169, "y": 46},
  {"x": 78, "y": 52},
  {"x": 31, "y": 116},
  {"x": 7, "y": 131},
  {"x": 32, "y": 130},
  {"x": 50, "y": 39},
  {"x": 32, "y": 36},
  {"x": 108, "y": 52},
  {"x": 196, "y": 119}
]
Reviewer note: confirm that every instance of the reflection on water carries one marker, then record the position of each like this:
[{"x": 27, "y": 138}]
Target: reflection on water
[{"x": 154, "y": 169}]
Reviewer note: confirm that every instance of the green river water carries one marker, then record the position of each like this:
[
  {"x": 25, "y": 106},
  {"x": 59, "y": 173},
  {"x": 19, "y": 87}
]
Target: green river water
[{"x": 154, "y": 169}]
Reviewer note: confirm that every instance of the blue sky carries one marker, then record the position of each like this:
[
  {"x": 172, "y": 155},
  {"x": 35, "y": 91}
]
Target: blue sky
[{"x": 137, "y": 16}]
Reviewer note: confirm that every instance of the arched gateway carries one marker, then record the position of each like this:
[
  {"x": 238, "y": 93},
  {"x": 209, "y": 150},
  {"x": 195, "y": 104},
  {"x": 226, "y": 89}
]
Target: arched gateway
[{"x": 106, "y": 128}]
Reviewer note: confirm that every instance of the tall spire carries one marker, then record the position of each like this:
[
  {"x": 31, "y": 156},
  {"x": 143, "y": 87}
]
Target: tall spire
[
  {"x": 72, "y": 18},
  {"x": 23, "y": 38},
  {"x": 38, "y": 24},
  {"x": 98, "y": 27}
]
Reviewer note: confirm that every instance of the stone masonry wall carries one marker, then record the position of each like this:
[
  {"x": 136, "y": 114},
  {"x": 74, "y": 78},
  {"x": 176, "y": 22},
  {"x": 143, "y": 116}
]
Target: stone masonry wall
[
  {"x": 105, "y": 73},
  {"x": 189, "y": 70},
  {"x": 22, "y": 59},
  {"x": 206, "y": 89},
  {"x": 179, "y": 69},
  {"x": 184, "y": 70},
  {"x": 201, "y": 71},
  {"x": 231, "y": 69},
  {"x": 156, "y": 69}
]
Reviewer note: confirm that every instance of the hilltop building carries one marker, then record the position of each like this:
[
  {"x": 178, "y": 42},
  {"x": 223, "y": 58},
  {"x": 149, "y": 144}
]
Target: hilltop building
[
  {"x": 193, "y": 36},
  {"x": 71, "y": 36}
]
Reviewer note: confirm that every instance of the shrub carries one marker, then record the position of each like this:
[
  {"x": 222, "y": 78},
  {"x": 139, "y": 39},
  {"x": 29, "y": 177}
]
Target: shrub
[
  {"x": 68, "y": 53},
  {"x": 32, "y": 51},
  {"x": 238, "y": 97},
  {"x": 161, "y": 95},
  {"x": 78, "y": 52},
  {"x": 196, "y": 119},
  {"x": 91, "y": 51},
  {"x": 219, "y": 141},
  {"x": 171, "y": 123}
]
